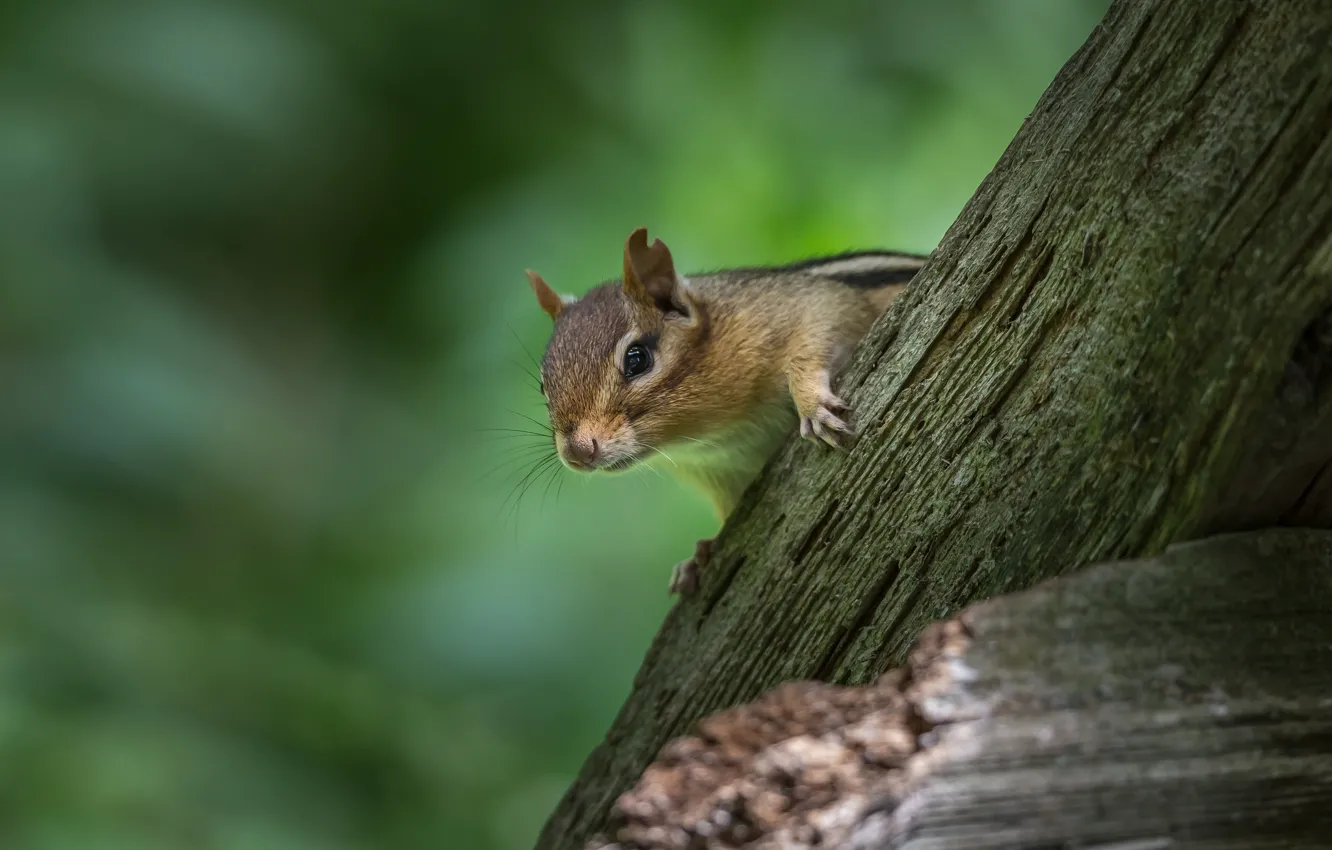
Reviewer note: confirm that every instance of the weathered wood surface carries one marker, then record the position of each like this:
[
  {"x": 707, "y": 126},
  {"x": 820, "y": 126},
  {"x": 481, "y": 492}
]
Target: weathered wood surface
[
  {"x": 1123, "y": 342},
  {"x": 1179, "y": 702}
]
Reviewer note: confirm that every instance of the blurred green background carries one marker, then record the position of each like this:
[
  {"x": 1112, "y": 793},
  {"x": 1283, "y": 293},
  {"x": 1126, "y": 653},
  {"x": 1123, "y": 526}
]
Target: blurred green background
[{"x": 261, "y": 287}]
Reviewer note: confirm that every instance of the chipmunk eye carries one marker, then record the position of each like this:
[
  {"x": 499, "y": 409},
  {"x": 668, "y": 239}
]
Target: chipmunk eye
[{"x": 637, "y": 360}]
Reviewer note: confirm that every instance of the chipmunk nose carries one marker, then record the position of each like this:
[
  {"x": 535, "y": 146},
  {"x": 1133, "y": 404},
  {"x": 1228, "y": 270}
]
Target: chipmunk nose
[{"x": 581, "y": 450}]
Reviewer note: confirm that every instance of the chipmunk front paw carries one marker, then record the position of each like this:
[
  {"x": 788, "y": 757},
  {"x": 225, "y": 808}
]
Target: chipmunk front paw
[
  {"x": 822, "y": 422},
  {"x": 684, "y": 578},
  {"x": 822, "y": 414}
]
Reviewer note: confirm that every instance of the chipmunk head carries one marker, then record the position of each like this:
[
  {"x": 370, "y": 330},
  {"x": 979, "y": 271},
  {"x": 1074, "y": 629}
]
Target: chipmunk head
[{"x": 615, "y": 374}]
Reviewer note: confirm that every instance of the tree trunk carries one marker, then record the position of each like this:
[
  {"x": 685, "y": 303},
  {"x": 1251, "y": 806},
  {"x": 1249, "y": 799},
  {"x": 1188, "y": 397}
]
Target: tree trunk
[
  {"x": 1181, "y": 702},
  {"x": 1124, "y": 341}
]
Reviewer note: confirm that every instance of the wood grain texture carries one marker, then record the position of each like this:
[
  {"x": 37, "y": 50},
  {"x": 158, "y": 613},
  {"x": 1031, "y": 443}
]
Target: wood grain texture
[
  {"x": 1183, "y": 701},
  {"x": 1122, "y": 343}
]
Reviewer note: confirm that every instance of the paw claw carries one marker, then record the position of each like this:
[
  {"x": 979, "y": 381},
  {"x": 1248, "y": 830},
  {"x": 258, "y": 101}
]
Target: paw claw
[{"x": 822, "y": 425}]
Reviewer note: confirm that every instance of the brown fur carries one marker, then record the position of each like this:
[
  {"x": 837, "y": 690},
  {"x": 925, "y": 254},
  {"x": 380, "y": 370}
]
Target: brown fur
[
  {"x": 739, "y": 357},
  {"x": 883, "y": 297}
]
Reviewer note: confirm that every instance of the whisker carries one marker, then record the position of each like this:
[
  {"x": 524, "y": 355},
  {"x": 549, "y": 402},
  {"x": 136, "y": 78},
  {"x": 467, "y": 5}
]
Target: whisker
[
  {"x": 543, "y": 426},
  {"x": 520, "y": 487},
  {"x": 509, "y": 431},
  {"x": 551, "y": 479},
  {"x": 649, "y": 468},
  {"x": 515, "y": 493},
  {"x": 528, "y": 372},
  {"x": 524, "y": 455},
  {"x": 703, "y": 442},
  {"x": 519, "y": 340},
  {"x": 541, "y": 439},
  {"x": 538, "y": 466},
  {"x": 523, "y": 451},
  {"x": 510, "y": 474},
  {"x": 526, "y": 484},
  {"x": 663, "y": 454},
  {"x": 528, "y": 465}
]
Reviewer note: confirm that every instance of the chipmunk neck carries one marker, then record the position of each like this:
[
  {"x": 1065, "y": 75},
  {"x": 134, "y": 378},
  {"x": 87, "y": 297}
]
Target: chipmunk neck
[{"x": 722, "y": 463}]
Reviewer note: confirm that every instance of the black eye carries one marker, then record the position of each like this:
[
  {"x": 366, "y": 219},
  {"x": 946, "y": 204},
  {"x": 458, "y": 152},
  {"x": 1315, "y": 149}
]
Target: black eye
[{"x": 637, "y": 360}]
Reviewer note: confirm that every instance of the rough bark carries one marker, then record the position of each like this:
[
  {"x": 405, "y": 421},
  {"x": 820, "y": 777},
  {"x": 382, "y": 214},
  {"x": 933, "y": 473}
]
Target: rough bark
[
  {"x": 1181, "y": 702},
  {"x": 1125, "y": 341}
]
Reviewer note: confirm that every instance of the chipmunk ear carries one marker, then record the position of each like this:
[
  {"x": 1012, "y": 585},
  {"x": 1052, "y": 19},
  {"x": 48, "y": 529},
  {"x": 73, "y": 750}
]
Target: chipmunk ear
[
  {"x": 649, "y": 276},
  {"x": 550, "y": 301}
]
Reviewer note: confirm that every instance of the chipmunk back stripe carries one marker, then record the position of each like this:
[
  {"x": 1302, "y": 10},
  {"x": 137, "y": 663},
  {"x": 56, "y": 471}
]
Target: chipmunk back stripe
[
  {"x": 858, "y": 269},
  {"x": 863, "y": 269}
]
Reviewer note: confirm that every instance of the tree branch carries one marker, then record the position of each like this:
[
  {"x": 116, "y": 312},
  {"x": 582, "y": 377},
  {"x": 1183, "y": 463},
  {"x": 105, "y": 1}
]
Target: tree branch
[
  {"x": 1171, "y": 703},
  {"x": 1123, "y": 342}
]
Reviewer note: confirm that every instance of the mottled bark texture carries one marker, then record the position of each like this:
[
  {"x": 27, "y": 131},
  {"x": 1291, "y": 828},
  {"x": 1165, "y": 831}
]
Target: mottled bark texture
[
  {"x": 1180, "y": 702},
  {"x": 1123, "y": 342}
]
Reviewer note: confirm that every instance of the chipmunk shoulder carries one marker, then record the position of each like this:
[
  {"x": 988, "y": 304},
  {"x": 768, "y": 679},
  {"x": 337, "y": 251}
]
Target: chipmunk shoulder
[{"x": 705, "y": 375}]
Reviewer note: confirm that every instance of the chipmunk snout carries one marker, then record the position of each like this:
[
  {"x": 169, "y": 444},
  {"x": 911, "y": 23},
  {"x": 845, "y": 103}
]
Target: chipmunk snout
[{"x": 579, "y": 449}]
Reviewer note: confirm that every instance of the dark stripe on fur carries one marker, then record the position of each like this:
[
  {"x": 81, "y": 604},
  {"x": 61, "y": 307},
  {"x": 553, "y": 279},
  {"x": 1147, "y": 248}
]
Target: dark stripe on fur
[
  {"x": 802, "y": 265},
  {"x": 875, "y": 278},
  {"x": 862, "y": 279},
  {"x": 865, "y": 278}
]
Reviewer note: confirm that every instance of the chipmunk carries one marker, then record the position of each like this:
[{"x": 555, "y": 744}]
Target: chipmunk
[{"x": 708, "y": 374}]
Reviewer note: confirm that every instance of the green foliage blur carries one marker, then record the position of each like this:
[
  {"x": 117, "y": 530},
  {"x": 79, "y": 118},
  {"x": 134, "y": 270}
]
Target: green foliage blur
[{"x": 263, "y": 583}]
